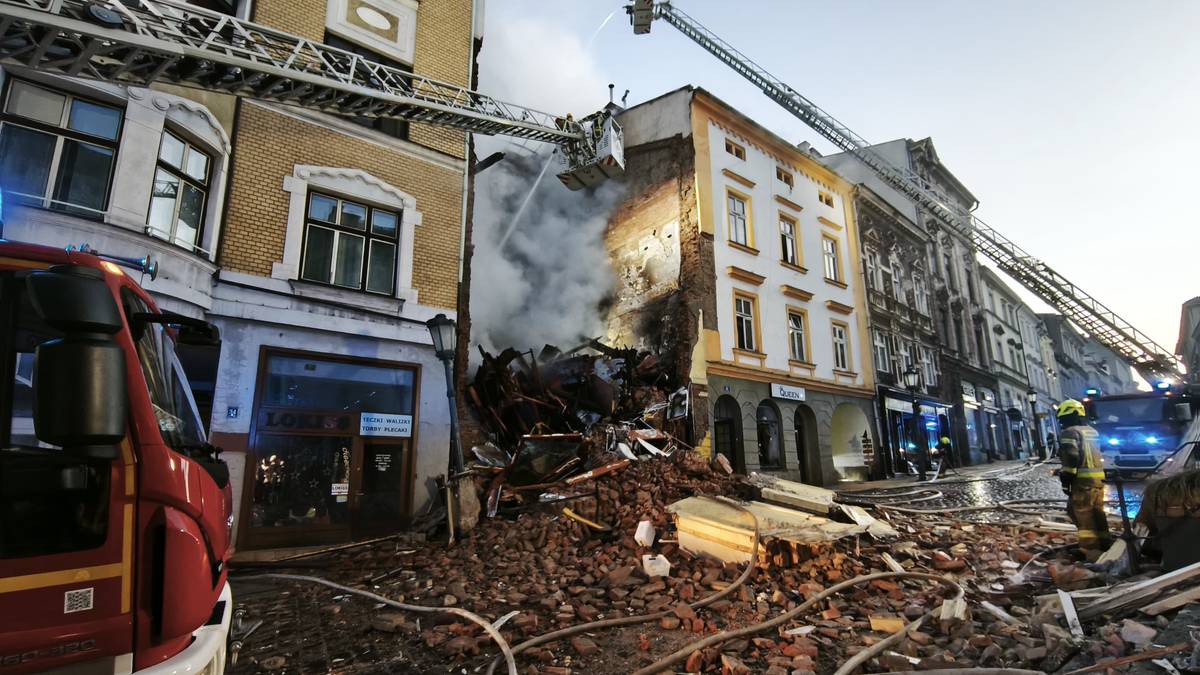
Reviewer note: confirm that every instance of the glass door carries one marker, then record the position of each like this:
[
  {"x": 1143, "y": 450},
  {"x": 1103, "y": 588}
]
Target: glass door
[{"x": 382, "y": 496}]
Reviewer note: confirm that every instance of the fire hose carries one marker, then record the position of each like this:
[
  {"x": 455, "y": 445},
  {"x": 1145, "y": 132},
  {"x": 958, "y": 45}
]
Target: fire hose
[
  {"x": 506, "y": 652},
  {"x": 644, "y": 618},
  {"x": 783, "y": 618}
]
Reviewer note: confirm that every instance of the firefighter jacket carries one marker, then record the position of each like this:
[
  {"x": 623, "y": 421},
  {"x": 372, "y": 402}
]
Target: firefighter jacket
[{"x": 1081, "y": 458}]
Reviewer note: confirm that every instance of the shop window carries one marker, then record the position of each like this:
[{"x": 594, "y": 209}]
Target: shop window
[
  {"x": 318, "y": 384},
  {"x": 350, "y": 244},
  {"x": 332, "y": 449},
  {"x": 770, "y": 442},
  {"x": 396, "y": 128},
  {"x": 180, "y": 192},
  {"x": 57, "y": 150}
]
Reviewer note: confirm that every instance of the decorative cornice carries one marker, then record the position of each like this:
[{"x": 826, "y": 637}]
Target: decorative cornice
[
  {"x": 788, "y": 203},
  {"x": 828, "y": 223},
  {"x": 796, "y": 293},
  {"x": 306, "y": 172},
  {"x": 737, "y": 177},
  {"x": 745, "y": 275},
  {"x": 835, "y": 306}
]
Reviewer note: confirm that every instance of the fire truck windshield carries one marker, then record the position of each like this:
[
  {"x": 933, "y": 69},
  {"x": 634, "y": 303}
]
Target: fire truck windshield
[
  {"x": 178, "y": 419},
  {"x": 1128, "y": 410}
]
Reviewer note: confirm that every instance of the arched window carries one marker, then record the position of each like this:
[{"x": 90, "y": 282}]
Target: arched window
[{"x": 770, "y": 441}]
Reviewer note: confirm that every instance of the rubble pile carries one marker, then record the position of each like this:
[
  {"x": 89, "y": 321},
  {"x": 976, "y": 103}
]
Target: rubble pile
[
  {"x": 542, "y": 569},
  {"x": 515, "y": 393}
]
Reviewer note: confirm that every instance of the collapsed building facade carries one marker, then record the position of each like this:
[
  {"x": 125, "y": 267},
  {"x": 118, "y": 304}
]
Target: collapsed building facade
[{"x": 737, "y": 262}]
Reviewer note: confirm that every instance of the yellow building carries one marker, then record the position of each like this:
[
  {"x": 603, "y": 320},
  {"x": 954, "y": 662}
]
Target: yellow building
[
  {"x": 341, "y": 237},
  {"x": 737, "y": 255}
]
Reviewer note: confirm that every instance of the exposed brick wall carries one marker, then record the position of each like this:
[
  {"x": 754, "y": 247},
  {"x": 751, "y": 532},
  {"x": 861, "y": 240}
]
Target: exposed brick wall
[
  {"x": 270, "y": 145},
  {"x": 443, "y": 52},
  {"x": 443, "y": 49}
]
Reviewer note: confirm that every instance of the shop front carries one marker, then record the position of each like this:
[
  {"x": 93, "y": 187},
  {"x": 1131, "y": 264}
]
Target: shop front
[
  {"x": 896, "y": 410},
  {"x": 330, "y": 449}
]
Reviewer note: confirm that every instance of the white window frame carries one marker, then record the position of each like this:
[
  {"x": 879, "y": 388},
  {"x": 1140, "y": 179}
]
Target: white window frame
[
  {"x": 883, "y": 356},
  {"x": 797, "y": 347},
  {"x": 872, "y": 269},
  {"x": 353, "y": 184},
  {"x": 787, "y": 238},
  {"x": 841, "y": 346},
  {"x": 744, "y": 326},
  {"x": 831, "y": 258},
  {"x": 738, "y": 220}
]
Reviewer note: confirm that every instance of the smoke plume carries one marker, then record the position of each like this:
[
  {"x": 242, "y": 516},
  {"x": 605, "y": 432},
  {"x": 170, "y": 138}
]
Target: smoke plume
[{"x": 550, "y": 280}]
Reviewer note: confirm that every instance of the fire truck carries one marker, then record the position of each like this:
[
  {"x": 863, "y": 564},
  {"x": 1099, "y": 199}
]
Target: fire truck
[
  {"x": 115, "y": 513},
  {"x": 1141, "y": 430}
]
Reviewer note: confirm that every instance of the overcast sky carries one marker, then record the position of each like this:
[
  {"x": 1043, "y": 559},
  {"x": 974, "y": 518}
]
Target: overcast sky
[{"x": 1072, "y": 121}]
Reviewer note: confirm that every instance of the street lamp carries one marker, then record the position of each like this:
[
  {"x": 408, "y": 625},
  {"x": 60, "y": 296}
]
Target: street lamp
[
  {"x": 444, "y": 333},
  {"x": 1032, "y": 397},
  {"x": 912, "y": 380}
]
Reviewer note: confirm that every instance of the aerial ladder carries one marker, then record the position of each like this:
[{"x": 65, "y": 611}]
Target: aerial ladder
[
  {"x": 1150, "y": 359},
  {"x": 143, "y": 42}
]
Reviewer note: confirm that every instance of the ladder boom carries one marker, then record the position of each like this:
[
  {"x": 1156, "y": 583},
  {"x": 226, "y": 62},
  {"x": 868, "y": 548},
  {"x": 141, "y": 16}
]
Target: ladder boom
[
  {"x": 141, "y": 42},
  {"x": 1139, "y": 350}
]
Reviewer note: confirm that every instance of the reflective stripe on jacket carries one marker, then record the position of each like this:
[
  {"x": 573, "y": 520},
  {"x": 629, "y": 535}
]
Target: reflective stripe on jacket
[{"x": 1081, "y": 454}]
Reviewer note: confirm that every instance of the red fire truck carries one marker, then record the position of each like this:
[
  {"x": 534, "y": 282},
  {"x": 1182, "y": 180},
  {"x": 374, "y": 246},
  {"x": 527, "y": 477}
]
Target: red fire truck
[{"x": 115, "y": 513}]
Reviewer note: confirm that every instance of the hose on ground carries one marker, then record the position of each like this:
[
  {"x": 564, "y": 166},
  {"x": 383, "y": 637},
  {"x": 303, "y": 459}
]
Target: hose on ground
[
  {"x": 783, "y": 618},
  {"x": 644, "y": 618},
  {"x": 974, "y": 671},
  {"x": 506, "y": 652},
  {"x": 869, "y": 653}
]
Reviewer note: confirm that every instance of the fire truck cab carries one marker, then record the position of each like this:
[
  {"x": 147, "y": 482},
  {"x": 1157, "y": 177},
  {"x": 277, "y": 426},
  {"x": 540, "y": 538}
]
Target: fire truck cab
[{"x": 115, "y": 512}]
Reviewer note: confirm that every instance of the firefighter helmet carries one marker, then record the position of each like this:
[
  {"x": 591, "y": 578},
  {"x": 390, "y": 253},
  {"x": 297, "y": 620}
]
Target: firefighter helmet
[{"x": 1070, "y": 406}]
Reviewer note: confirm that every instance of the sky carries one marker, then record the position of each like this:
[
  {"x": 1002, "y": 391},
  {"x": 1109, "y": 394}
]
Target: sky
[{"x": 1074, "y": 122}]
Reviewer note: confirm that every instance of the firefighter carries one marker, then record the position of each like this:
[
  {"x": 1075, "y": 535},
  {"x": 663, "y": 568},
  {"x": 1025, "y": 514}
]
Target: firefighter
[
  {"x": 1083, "y": 477},
  {"x": 944, "y": 449}
]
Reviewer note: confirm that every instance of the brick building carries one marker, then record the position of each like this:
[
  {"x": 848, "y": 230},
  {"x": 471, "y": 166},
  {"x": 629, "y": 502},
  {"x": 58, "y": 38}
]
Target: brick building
[
  {"x": 736, "y": 255},
  {"x": 318, "y": 244}
]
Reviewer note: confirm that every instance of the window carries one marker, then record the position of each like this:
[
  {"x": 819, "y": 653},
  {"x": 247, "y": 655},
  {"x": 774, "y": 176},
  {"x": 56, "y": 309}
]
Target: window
[
  {"x": 350, "y": 244},
  {"x": 180, "y": 191},
  {"x": 833, "y": 263},
  {"x": 1012, "y": 357},
  {"x": 883, "y": 357},
  {"x": 841, "y": 346},
  {"x": 395, "y": 128},
  {"x": 872, "y": 269},
  {"x": 735, "y": 149},
  {"x": 951, "y": 280},
  {"x": 797, "y": 335},
  {"x": 739, "y": 227},
  {"x": 785, "y": 176},
  {"x": 826, "y": 198},
  {"x": 787, "y": 240},
  {"x": 744, "y": 317},
  {"x": 57, "y": 150},
  {"x": 898, "y": 288},
  {"x": 999, "y": 352},
  {"x": 929, "y": 367},
  {"x": 889, "y": 283},
  {"x": 51, "y": 502},
  {"x": 920, "y": 294},
  {"x": 906, "y": 354}
]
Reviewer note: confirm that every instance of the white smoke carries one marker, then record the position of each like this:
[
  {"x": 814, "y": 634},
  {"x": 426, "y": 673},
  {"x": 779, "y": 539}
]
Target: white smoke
[{"x": 551, "y": 278}]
